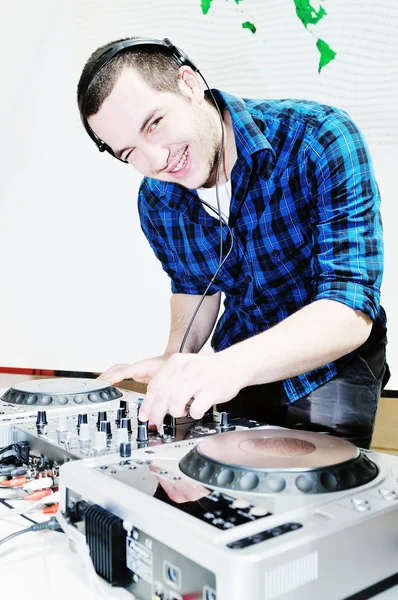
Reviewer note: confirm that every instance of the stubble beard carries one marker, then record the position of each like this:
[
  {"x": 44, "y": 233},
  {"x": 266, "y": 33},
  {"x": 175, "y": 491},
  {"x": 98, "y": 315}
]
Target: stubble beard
[
  {"x": 212, "y": 165},
  {"x": 207, "y": 137}
]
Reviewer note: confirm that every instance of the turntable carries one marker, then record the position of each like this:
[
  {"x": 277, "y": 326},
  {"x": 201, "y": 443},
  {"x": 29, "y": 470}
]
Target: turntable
[
  {"x": 257, "y": 513},
  {"x": 251, "y": 461},
  {"x": 65, "y": 395}
]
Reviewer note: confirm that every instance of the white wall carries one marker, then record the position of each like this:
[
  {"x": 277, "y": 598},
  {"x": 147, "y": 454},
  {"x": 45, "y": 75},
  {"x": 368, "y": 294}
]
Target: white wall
[{"x": 80, "y": 288}]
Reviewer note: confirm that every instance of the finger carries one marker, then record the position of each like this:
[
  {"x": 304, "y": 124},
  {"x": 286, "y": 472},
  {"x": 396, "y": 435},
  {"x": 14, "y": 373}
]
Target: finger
[
  {"x": 144, "y": 414},
  {"x": 159, "y": 410},
  {"x": 122, "y": 372},
  {"x": 116, "y": 374},
  {"x": 152, "y": 398},
  {"x": 181, "y": 399},
  {"x": 179, "y": 409},
  {"x": 201, "y": 403},
  {"x": 110, "y": 371}
]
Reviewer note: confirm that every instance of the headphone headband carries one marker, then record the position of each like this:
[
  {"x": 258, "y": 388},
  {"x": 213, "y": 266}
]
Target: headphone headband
[{"x": 148, "y": 45}]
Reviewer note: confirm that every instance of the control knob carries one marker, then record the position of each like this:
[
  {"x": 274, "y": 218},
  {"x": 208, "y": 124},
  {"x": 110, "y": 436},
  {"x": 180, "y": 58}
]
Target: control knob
[
  {"x": 125, "y": 449},
  {"x": 106, "y": 426},
  {"x": 224, "y": 423},
  {"x": 81, "y": 418},
  {"x": 123, "y": 406},
  {"x": 120, "y": 414},
  {"x": 101, "y": 417},
  {"x": 41, "y": 421},
  {"x": 142, "y": 432},
  {"x": 126, "y": 423},
  {"x": 169, "y": 425}
]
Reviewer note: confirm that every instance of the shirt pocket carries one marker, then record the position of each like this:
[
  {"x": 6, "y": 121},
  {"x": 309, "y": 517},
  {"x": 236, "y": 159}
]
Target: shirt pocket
[{"x": 281, "y": 257}]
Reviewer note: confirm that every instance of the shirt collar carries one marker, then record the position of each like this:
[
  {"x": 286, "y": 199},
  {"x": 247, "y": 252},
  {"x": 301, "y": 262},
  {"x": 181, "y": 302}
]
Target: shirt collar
[{"x": 249, "y": 138}]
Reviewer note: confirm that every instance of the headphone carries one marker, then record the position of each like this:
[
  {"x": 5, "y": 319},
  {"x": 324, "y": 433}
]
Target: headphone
[{"x": 109, "y": 52}]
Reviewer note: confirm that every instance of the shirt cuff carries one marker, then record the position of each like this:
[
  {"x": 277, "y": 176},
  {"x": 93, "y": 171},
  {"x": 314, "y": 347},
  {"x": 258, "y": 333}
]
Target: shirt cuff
[{"x": 352, "y": 294}]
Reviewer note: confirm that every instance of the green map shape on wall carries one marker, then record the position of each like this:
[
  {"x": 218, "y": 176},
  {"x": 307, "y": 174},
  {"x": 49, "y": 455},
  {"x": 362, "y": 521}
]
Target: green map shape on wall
[
  {"x": 248, "y": 25},
  {"x": 307, "y": 14},
  {"x": 327, "y": 54}
]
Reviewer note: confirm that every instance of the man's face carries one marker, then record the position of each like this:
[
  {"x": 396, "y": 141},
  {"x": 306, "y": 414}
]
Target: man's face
[{"x": 166, "y": 136}]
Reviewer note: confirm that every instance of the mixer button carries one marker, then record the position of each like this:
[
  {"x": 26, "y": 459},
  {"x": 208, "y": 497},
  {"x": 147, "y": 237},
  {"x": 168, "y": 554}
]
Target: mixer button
[
  {"x": 276, "y": 532},
  {"x": 32, "y": 399},
  {"x": 359, "y": 501},
  {"x": 46, "y": 400},
  {"x": 276, "y": 483},
  {"x": 258, "y": 511},
  {"x": 249, "y": 482},
  {"x": 304, "y": 483},
  {"x": 388, "y": 494},
  {"x": 362, "y": 507},
  {"x": 240, "y": 503}
]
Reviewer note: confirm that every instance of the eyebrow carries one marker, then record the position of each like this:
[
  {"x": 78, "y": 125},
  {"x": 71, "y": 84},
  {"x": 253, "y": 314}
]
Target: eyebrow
[{"x": 149, "y": 116}]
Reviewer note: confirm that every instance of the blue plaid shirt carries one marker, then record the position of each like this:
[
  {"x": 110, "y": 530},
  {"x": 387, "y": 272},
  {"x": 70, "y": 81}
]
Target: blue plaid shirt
[{"x": 305, "y": 219}]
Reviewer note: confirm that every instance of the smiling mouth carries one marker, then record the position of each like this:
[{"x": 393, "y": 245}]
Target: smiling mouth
[{"x": 181, "y": 163}]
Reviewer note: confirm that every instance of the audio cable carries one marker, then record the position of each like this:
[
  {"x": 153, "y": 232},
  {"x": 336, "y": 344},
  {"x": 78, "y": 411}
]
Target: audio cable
[
  {"x": 221, "y": 260},
  {"x": 51, "y": 524}
]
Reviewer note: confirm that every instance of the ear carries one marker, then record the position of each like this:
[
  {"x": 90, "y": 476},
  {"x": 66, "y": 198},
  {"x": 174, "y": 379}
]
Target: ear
[{"x": 190, "y": 84}]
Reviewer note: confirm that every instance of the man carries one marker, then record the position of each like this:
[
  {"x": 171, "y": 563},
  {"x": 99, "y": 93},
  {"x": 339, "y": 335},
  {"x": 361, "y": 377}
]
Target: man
[{"x": 302, "y": 338}]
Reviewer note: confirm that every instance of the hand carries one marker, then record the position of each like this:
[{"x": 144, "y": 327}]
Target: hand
[
  {"x": 142, "y": 371},
  {"x": 199, "y": 379}
]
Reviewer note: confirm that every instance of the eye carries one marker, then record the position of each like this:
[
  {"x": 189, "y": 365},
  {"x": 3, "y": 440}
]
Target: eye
[
  {"x": 154, "y": 124},
  {"x": 126, "y": 156}
]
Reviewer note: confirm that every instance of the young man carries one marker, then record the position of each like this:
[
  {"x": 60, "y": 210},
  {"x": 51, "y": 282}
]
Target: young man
[{"x": 301, "y": 341}]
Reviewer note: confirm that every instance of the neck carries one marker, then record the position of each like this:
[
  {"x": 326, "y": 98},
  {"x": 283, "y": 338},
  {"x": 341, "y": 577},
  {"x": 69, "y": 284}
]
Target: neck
[{"x": 229, "y": 152}]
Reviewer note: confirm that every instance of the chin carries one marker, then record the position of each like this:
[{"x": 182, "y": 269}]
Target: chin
[{"x": 191, "y": 183}]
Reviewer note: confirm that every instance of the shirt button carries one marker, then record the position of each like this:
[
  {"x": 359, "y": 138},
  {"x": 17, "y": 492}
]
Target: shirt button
[
  {"x": 249, "y": 278},
  {"x": 275, "y": 252}
]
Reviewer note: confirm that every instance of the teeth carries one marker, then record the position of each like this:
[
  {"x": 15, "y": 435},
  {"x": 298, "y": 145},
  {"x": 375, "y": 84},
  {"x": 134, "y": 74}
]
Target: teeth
[{"x": 181, "y": 163}]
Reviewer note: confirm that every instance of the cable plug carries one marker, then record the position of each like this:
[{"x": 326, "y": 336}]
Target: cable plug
[
  {"x": 38, "y": 494},
  {"x": 52, "y": 524},
  {"x": 14, "y": 482},
  {"x": 50, "y": 510},
  {"x": 39, "y": 484}
]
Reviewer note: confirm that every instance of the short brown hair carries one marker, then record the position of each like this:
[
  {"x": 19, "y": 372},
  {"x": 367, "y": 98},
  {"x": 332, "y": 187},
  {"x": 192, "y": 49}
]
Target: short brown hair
[{"x": 159, "y": 70}]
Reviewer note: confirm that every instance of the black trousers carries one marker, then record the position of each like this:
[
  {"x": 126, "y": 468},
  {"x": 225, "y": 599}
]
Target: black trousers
[{"x": 345, "y": 406}]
